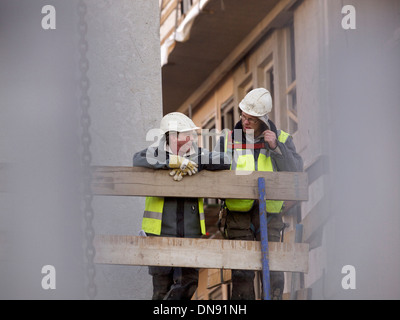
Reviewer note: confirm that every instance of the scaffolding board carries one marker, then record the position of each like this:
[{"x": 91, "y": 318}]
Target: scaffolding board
[{"x": 199, "y": 253}]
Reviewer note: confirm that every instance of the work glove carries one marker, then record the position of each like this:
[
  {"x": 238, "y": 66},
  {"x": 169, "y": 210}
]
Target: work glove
[
  {"x": 177, "y": 174},
  {"x": 187, "y": 166}
]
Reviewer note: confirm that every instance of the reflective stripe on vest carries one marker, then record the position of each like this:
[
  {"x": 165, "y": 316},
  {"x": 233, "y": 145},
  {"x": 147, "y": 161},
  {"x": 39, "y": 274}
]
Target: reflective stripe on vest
[
  {"x": 245, "y": 162},
  {"x": 152, "y": 217}
]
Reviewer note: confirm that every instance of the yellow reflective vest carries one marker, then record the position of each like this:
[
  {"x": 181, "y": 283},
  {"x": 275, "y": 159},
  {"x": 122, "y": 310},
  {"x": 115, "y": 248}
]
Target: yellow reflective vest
[
  {"x": 152, "y": 218},
  {"x": 243, "y": 160}
]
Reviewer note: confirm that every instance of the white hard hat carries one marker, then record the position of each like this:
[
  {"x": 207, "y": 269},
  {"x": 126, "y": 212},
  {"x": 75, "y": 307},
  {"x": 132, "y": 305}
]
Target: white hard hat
[
  {"x": 257, "y": 103},
  {"x": 177, "y": 121}
]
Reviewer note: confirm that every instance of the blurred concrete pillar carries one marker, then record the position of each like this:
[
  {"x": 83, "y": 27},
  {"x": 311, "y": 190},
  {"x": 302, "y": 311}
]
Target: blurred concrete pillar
[
  {"x": 125, "y": 95},
  {"x": 41, "y": 222},
  {"x": 40, "y": 219},
  {"x": 362, "y": 102}
]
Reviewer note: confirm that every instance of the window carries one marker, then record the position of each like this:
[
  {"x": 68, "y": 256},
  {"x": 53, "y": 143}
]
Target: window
[
  {"x": 291, "y": 94},
  {"x": 272, "y": 65},
  {"x": 266, "y": 80},
  {"x": 185, "y": 6},
  {"x": 269, "y": 79},
  {"x": 248, "y": 89},
  {"x": 209, "y": 140},
  {"x": 209, "y": 134},
  {"x": 291, "y": 53},
  {"x": 227, "y": 115},
  {"x": 245, "y": 87}
]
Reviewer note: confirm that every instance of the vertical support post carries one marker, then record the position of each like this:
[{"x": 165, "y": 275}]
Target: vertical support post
[
  {"x": 264, "y": 239},
  {"x": 296, "y": 275}
]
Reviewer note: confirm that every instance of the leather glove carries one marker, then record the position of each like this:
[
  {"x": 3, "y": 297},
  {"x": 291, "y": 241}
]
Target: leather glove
[
  {"x": 186, "y": 165},
  {"x": 177, "y": 174}
]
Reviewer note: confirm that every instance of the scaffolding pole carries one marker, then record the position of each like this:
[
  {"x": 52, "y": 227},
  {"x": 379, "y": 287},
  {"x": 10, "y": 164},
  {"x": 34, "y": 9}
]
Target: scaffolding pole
[{"x": 264, "y": 239}]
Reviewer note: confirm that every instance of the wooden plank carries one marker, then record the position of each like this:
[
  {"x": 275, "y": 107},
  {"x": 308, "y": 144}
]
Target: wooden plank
[
  {"x": 198, "y": 253},
  {"x": 136, "y": 181},
  {"x": 217, "y": 277},
  {"x": 302, "y": 294},
  {"x": 295, "y": 279}
]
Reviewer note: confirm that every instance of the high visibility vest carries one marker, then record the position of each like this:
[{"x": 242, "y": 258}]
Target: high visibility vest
[
  {"x": 244, "y": 160},
  {"x": 152, "y": 218}
]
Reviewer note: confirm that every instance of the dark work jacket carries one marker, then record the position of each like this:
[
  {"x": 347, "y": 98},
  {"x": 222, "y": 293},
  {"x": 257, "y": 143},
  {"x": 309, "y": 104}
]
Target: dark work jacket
[
  {"x": 180, "y": 215},
  {"x": 284, "y": 157}
]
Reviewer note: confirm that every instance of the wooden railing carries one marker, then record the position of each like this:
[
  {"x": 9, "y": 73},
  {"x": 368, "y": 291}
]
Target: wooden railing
[
  {"x": 289, "y": 256},
  {"x": 199, "y": 253}
]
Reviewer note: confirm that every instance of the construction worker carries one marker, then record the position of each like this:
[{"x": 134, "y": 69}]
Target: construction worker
[
  {"x": 176, "y": 217},
  {"x": 255, "y": 144}
]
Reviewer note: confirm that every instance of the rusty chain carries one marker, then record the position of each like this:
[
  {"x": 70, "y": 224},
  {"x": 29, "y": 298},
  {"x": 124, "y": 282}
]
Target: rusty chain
[{"x": 88, "y": 212}]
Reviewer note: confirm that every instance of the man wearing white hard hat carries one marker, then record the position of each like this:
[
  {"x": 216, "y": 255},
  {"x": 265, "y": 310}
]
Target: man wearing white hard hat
[
  {"x": 256, "y": 144},
  {"x": 176, "y": 217}
]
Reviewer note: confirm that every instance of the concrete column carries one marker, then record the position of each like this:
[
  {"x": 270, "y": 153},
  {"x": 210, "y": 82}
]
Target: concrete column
[
  {"x": 41, "y": 221},
  {"x": 125, "y": 94}
]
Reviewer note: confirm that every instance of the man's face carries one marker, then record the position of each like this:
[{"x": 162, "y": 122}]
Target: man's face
[
  {"x": 249, "y": 122},
  {"x": 181, "y": 142}
]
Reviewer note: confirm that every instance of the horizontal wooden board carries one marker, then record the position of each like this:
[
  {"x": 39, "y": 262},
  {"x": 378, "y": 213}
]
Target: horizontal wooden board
[
  {"x": 301, "y": 294},
  {"x": 136, "y": 181},
  {"x": 198, "y": 253}
]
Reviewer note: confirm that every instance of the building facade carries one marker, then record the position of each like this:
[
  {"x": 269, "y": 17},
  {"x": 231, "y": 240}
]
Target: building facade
[{"x": 215, "y": 51}]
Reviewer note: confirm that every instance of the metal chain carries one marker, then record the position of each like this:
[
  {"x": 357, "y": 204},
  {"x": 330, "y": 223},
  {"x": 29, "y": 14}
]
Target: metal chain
[{"x": 90, "y": 251}]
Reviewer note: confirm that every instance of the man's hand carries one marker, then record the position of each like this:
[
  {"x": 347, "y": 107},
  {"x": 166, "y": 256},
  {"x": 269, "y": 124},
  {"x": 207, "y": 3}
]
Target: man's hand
[
  {"x": 178, "y": 162},
  {"x": 178, "y": 174},
  {"x": 270, "y": 138},
  {"x": 181, "y": 167}
]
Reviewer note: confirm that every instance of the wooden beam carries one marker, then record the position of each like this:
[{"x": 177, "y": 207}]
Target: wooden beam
[
  {"x": 198, "y": 253},
  {"x": 302, "y": 294},
  {"x": 217, "y": 277},
  {"x": 136, "y": 181}
]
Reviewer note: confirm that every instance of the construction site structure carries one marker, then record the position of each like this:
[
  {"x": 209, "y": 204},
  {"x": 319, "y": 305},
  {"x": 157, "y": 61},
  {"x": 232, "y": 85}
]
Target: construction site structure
[
  {"x": 333, "y": 71},
  {"x": 290, "y": 256}
]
